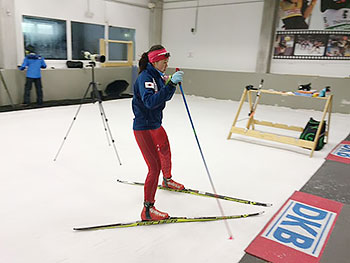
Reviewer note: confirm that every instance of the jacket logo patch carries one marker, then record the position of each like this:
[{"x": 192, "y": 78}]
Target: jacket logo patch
[{"x": 149, "y": 85}]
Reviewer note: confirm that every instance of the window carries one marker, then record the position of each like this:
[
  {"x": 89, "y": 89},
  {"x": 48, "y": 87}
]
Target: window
[
  {"x": 118, "y": 51},
  {"x": 85, "y": 37},
  {"x": 47, "y": 36}
]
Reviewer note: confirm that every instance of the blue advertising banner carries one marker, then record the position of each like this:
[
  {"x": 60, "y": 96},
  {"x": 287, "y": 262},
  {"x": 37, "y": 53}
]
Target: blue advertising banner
[{"x": 298, "y": 232}]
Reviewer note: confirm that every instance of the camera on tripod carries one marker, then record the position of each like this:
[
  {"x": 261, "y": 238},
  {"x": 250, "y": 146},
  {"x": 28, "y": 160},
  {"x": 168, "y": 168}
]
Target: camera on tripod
[
  {"x": 94, "y": 57},
  {"x": 96, "y": 96}
]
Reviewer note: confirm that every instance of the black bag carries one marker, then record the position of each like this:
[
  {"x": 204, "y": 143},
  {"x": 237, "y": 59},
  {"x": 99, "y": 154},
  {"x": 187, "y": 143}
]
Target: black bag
[
  {"x": 74, "y": 64},
  {"x": 310, "y": 130},
  {"x": 115, "y": 88}
]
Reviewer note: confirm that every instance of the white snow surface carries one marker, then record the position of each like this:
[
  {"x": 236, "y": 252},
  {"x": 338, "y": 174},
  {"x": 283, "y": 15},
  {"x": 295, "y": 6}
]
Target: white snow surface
[{"x": 42, "y": 200}]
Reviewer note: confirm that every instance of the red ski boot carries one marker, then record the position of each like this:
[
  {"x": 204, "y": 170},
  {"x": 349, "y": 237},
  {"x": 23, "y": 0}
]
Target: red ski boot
[
  {"x": 149, "y": 212},
  {"x": 170, "y": 183}
]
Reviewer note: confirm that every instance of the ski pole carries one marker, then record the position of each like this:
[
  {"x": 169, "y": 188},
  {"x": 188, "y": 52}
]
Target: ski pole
[
  {"x": 252, "y": 110},
  {"x": 255, "y": 104},
  {"x": 202, "y": 155}
]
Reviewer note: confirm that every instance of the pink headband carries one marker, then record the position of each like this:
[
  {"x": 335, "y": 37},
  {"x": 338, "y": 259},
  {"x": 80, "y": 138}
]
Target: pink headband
[{"x": 158, "y": 55}]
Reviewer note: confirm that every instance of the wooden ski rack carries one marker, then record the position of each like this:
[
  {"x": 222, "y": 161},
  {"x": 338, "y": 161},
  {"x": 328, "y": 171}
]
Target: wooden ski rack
[{"x": 249, "y": 130}]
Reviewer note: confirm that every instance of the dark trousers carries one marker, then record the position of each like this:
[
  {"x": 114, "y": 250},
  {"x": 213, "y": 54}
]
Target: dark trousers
[
  {"x": 38, "y": 88},
  {"x": 295, "y": 22}
]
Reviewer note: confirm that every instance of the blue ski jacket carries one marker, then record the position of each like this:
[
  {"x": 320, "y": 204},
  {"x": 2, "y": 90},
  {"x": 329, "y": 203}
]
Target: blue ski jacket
[
  {"x": 34, "y": 63},
  {"x": 150, "y": 96}
]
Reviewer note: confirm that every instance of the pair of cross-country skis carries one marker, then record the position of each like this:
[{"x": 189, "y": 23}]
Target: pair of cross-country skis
[{"x": 173, "y": 220}]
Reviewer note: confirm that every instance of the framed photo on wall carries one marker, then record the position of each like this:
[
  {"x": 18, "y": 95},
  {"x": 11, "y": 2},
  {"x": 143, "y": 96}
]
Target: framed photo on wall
[
  {"x": 338, "y": 46},
  {"x": 310, "y": 45},
  {"x": 284, "y": 45},
  {"x": 313, "y": 29}
]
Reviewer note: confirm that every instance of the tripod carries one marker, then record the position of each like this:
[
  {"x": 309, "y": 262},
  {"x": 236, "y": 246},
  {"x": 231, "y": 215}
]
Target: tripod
[
  {"x": 5, "y": 86},
  {"x": 95, "y": 97}
]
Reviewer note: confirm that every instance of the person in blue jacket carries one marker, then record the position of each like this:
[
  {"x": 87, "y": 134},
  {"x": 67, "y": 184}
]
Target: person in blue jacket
[
  {"x": 152, "y": 90},
  {"x": 34, "y": 63}
]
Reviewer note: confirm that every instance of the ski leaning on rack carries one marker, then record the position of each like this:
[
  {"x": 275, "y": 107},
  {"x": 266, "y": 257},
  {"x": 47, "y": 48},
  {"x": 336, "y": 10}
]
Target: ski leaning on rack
[
  {"x": 171, "y": 220},
  {"x": 201, "y": 193}
]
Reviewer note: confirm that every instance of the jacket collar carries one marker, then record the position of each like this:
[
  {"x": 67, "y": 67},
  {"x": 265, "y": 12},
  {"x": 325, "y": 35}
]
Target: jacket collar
[
  {"x": 33, "y": 56},
  {"x": 153, "y": 71}
]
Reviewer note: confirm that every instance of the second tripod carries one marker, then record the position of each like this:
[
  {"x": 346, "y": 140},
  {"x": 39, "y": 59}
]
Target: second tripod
[
  {"x": 5, "y": 87},
  {"x": 95, "y": 97}
]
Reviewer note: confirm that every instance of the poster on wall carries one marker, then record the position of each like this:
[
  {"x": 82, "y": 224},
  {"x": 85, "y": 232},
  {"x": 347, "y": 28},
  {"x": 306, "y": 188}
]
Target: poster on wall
[
  {"x": 313, "y": 29},
  {"x": 312, "y": 45},
  {"x": 336, "y": 14},
  {"x": 296, "y": 14}
]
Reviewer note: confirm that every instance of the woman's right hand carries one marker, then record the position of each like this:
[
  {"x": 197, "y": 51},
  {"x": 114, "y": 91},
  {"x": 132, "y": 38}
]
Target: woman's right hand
[{"x": 177, "y": 77}]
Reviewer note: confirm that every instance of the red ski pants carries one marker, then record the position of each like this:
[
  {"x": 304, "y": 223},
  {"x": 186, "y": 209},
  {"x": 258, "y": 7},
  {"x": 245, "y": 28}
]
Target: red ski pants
[{"x": 155, "y": 149}]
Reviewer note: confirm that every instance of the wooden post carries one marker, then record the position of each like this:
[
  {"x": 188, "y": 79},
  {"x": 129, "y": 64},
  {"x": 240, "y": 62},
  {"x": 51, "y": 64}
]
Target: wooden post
[
  {"x": 326, "y": 109},
  {"x": 244, "y": 95},
  {"x": 102, "y": 49},
  {"x": 329, "y": 116},
  {"x": 130, "y": 54}
]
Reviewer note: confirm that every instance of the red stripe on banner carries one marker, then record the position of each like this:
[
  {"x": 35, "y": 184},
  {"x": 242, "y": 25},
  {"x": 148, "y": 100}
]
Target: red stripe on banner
[
  {"x": 272, "y": 251},
  {"x": 341, "y": 153},
  {"x": 317, "y": 201},
  {"x": 264, "y": 246}
]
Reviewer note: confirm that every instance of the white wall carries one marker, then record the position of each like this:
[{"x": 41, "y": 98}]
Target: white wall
[
  {"x": 227, "y": 39},
  {"x": 7, "y": 33},
  {"x": 103, "y": 12},
  {"x": 227, "y": 36},
  {"x": 311, "y": 67}
]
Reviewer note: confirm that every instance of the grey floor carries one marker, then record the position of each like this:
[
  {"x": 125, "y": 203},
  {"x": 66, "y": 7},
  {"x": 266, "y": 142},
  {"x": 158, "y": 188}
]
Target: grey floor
[{"x": 331, "y": 181}]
